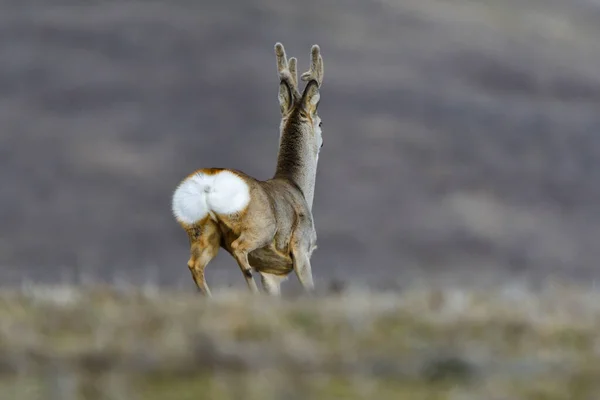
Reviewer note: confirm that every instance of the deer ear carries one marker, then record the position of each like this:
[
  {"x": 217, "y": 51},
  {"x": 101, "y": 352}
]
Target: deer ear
[
  {"x": 285, "y": 96},
  {"x": 311, "y": 96}
]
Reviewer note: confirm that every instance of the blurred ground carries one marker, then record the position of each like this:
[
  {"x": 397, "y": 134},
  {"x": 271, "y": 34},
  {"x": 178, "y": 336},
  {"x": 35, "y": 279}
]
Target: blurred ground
[
  {"x": 460, "y": 136},
  {"x": 94, "y": 343}
]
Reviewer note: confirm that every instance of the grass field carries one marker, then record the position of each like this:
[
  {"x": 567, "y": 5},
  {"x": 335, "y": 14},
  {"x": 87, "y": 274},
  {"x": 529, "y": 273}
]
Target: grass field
[{"x": 423, "y": 343}]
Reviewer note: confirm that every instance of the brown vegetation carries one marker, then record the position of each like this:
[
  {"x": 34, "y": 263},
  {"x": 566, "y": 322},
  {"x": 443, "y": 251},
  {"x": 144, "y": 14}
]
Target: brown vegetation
[{"x": 73, "y": 343}]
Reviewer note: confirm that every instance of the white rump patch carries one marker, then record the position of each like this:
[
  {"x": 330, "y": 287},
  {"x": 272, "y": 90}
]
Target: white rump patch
[{"x": 199, "y": 194}]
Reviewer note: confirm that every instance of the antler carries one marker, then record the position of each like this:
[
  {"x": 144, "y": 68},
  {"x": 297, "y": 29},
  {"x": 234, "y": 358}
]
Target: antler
[
  {"x": 286, "y": 69},
  {"x": 316, "y": 67}
]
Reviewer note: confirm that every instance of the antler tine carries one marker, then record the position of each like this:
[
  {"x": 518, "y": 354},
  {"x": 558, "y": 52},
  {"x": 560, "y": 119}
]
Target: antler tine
[
  {"x": 282, "y": 63},
  {"x": 316, "y": 66},
  {"x": 287, "y": 69},
  {"x": 293, "y": 70}
]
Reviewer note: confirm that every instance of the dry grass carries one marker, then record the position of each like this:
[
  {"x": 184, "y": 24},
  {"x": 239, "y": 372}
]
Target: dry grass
[{"x": 107, "y": 343}]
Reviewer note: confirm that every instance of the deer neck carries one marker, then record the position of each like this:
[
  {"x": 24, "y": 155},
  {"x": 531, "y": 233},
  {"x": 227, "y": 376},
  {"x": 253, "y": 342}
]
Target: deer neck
[{"x": 296, "y": 160}]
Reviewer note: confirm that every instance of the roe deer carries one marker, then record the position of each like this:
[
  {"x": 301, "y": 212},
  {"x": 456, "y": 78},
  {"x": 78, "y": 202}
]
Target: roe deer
[{"x": 267, "y": 226}]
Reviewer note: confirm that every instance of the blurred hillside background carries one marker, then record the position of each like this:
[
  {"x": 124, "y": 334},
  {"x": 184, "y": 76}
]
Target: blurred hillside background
[{"x": 460, "y": 136}]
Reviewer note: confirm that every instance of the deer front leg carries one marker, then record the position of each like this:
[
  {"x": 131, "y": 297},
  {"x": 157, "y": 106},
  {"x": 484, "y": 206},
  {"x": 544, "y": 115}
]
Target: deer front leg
[
  {"x": 304, "y": 271},
  {"x": 271, "y": 283},
  {"x": 301, "y": 257}
]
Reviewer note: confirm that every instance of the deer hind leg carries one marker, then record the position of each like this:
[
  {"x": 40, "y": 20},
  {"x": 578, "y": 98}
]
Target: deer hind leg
[
  {"x": 205, "y": 242},
  {"x": 245, "y": 244}
]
